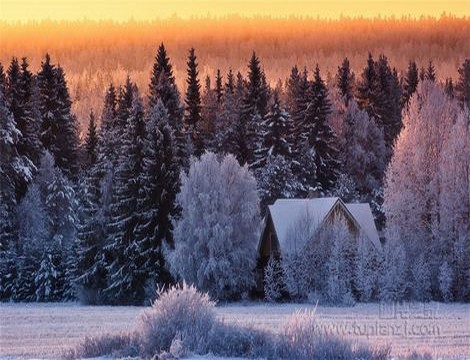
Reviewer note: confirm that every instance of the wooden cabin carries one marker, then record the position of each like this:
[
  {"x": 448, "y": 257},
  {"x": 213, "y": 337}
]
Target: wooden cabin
[{"x": 286, "y": 218}]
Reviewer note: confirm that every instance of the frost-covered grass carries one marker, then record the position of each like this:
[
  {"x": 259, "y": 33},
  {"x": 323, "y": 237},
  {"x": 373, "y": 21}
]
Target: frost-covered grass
[{"x": 46, "y": 330}]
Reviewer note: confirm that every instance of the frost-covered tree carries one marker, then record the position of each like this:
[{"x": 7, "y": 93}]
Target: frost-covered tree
[
  {"x": 126, "y": 278},
  {"x": 430, "y": 72},
  {"x": 273, "y": 280},
  {"x": 157, "y": 203},
  {"x": 61, "y": 207},
  {"x": 392, "y": 282},
  {"x": 275, "y": 181},
  {"x": 275, "y": 134},
  {"x": 217, "y": 232},
  {"x": 412, "y": 185},
  {"x": 33, "y": 236},
  {"x": 366, "y": 269},
  {"x": 445, "y": 281},
  {"x": 363, "y": 150},
  {"x": 340, "y": 271},
  {"x": 421, "y": 279}
]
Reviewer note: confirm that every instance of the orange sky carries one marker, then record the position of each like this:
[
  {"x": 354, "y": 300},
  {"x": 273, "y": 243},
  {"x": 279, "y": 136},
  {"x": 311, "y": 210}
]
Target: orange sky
[{"x": 122, "y": 10}]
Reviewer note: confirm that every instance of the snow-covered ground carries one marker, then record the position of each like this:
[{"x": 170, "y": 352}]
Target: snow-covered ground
[{"x": 46, "y": 330}]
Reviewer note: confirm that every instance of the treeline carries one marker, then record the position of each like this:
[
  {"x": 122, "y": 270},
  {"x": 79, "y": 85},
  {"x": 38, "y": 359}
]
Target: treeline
[
  {"x": 97, "y": 53},
  {"x": 94, "y": 220}
]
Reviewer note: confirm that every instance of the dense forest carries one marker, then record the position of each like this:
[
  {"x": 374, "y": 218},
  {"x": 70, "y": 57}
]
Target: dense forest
[
  {"x": 97, "y": 53},
  {"x": 169, "y": 185}
]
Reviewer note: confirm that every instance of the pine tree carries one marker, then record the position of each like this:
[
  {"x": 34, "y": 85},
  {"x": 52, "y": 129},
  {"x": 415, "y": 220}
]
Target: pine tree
[
  {"x": 157, "y": 205},
  {"x": 345, "y": 81},
  {"x": 366, "y": 269},
  {"x": 29, "y": 102},
  {"x": 253, "y": 109},
  {"x": 411, "y": 82},
  {"x": 91, "y": 140},
  {"x": 163, "y": 87},
  {"x": 18, "y": 108},
  {"x": 462, "y": 88},
  {"x": 32, "y": 234},
  {"x": 126, "y": 278},
  {"x": 430, "y": 72},
  {"x": 218, "y": 87},
  {"x": 318, "y": 135},
  {"x": 9, "y": 135},
  {"x": 449, "y": 88},
  {"x": 91, "y": 274},
  {"x": 58, "y": 125},
  {"x": 209, "y": 111},
  {"x": 193, "y": 104},
  {"x": 61, "y": 207},
  {"x": 392, "y": 273}
]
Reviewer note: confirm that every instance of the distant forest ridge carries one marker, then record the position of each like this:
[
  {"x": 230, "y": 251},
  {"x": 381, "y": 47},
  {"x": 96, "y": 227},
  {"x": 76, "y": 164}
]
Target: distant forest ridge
[{"x": 94, "y": 54}]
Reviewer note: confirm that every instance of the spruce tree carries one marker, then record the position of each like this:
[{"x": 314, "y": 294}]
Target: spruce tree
[
  {"x": 218, "y": 87},
  {"x": 163, "y": 87},
  {"x": 449, "y": 88},
  {"x": 276, "y": 137},
  {"x": 230, "y": 84},
  {"x": 9, "y": 136},
  {"x": 157, "y": 204},
  {"x": 462, "y": 88},
  {"x": 58, "y": 125},
  {"x": 411, "y": 82},
  {"x": 253, "y": 109},
  {"x": 126, "y": 277},
  {"x": 209, "y": 111},
  {"x": 193, "y": 104},
  {"x": 318, "y": 135},
  {"x": 431, "y": 72},
  {"x": 91, "y": 140},
  {"x": 345, "y": 81}
]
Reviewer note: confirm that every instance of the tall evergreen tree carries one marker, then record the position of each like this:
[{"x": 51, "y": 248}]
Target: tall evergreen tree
[
  {"x": 230, "y": 84},
  {"x": 431, "y": 72},
  {"x": 318, "y": 135},
  {"x": 126, "y": 278},
  {"x": 253, "y": 109},
  {"x": 462, "y": 88},
  {"x": 157, "y": 205},
  {"x": 411, "y": 82},
  {"x": 9, "y": 135},
  {"x": 345, "y": 81},
  {"x": 163, "y": 87},
  {"x": 193, "y": 103},
  {"x": 58, "y": 126},
  {"x": 91, "y": 140},
  {"x": 209, "y": 111},
  {"x": 218, "y": 87},
  {"x": 449, "y": 88}
]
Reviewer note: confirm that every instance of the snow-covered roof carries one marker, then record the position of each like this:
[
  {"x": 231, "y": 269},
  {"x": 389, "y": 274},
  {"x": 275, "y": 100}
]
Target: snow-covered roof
[{"x": 289, "y": 219}]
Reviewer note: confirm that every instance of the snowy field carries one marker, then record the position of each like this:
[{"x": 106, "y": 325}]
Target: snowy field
[{"x": 46, "y": 330}]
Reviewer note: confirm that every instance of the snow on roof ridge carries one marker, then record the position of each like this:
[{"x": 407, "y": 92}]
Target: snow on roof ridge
[{"x": 287, "y": 216}]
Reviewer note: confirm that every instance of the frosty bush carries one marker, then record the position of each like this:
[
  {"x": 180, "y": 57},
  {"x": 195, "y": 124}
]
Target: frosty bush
[{"x": 181, "y": 311}]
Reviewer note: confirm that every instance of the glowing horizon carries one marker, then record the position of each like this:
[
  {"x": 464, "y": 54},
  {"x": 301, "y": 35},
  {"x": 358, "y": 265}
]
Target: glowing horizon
[{"x": 146, "y": 10}]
